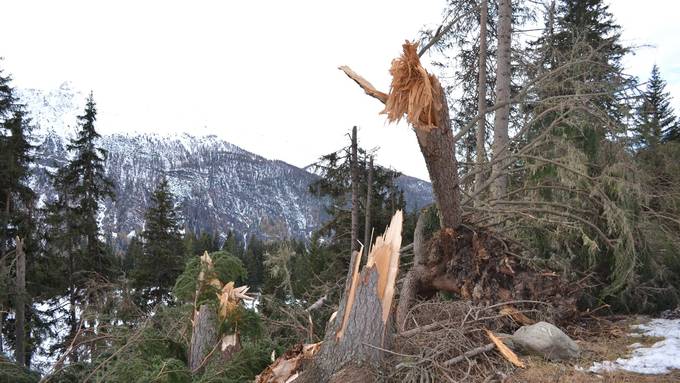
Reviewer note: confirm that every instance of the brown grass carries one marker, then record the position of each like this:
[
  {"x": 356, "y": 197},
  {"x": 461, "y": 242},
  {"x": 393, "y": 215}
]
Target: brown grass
[{"x": 600, "y": 340}]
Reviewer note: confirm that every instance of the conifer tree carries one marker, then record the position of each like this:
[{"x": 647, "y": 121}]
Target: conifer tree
[
  {"x": 84, "y": 186},
  {"x": 16, "y": 200},
  {"x": 253, "y": 260},
  {"x": 581, "y": 53},
  {"x": 654, "y": 117},
  {"x": 163, "y": 256},
  {"x": 135, "y": 251},
  {"x": 15, "y": 158},
  {"x": 72, "y": 219},
  {"x": 335, "y": 183}
]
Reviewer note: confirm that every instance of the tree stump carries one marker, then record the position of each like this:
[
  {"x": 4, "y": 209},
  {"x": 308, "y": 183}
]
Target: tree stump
[
  {"x": 362, "y": 329},
  {"x": 203, "y": 336}
]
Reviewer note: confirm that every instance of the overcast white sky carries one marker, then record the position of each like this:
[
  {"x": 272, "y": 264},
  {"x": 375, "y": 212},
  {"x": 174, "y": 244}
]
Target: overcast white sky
[{"x": 260, "y": 74}]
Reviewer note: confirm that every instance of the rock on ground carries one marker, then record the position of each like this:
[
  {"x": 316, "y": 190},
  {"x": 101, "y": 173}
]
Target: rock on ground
[{"x": 546, "y": 340}]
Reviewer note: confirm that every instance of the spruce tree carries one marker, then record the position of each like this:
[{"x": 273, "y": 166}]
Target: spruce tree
[
  {"x": 84, "y": 186},
  {"x": 16, "y": 205},
  {"x": 335, "y": 184},
  {"x": 15, "y": 158},
  {"x": 578, "y": 57},
  {"x": 164, "y": 255},
  {"x": 654, "y": 117},
  {"x": 72, "y": 233}
]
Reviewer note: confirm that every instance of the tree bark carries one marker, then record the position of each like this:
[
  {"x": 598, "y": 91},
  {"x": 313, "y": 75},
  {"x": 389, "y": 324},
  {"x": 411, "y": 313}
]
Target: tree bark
[
  {"x": 3, "y": 271},
  {"x": 481, "y": 98},
  {"x": 2, "y": 317},
  {"x": 203, "y": 336},
  {"x": 438, "y": 149},
  {"x": 367, "y": 223},
  {"x": 411, "y": 281},
  {"x": 354, "y": 164},
  {"x": 502, "y": 116},
  {"x": 20, "y": 349},
  {"x": 362, "y": 329},
  {"x": 206, "y": 343},
  {"x": 72, "y": 318}
]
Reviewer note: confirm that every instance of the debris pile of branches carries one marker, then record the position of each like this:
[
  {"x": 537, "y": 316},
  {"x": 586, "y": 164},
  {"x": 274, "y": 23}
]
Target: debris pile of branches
[{"x": 454, "y": 340}]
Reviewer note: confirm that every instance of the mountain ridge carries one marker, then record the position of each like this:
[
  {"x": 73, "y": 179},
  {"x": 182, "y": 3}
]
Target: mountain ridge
[{"x": 218, "y": 186}]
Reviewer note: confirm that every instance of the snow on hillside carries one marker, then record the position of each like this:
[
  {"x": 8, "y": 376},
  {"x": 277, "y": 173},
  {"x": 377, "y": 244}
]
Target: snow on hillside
[{"x": 219, "y": 186}]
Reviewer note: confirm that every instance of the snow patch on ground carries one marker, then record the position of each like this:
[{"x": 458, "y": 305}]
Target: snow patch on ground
[{"x": 660, "y": 358}]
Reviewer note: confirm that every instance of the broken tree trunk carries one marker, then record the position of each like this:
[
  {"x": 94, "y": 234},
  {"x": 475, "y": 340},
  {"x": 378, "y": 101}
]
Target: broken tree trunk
[
  {"x": 20, "y": 344},
  {"x": 473, "y": 264},
  {"x": 207, "y": 342},
  {"x": 362, "y": 328},
  {"x": 203, "y": 336},
  {"x": 419, "y": 96}
]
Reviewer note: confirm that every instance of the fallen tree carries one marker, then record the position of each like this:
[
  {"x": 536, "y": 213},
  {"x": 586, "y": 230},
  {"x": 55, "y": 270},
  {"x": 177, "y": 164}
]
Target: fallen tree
[{"x": 470, "y": 262}]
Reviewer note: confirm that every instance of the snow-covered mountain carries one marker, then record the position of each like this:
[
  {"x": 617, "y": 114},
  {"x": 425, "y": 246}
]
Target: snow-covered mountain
[{"x": 219, "y": 186}]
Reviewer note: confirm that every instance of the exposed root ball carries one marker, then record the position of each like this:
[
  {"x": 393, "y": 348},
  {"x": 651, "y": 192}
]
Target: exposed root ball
[{"x": 476, "y": 266}]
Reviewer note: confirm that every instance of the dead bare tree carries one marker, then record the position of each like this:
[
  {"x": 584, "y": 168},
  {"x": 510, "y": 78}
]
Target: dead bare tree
[{"x": 354, "y": 171}]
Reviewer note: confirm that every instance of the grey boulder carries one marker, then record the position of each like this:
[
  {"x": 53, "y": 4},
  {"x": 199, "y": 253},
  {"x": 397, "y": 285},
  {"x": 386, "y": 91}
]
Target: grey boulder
[{"x": 546, "y": 340}]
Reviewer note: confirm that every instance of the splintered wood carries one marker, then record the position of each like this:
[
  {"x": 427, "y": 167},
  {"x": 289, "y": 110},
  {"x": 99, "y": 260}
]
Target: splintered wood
[
  {"x": 384, "y": 257},
  {"x": 354, "y": 281},
  {"x": 286, "y": 368},
  {"x": 413, "y": 92},
  {"x": 206, "y": 322},
  {"x": 361, "y": 330},
  {"x": 504, "y": 350}
]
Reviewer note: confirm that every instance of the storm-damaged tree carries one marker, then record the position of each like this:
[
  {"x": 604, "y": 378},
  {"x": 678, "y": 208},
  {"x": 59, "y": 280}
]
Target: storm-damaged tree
[{"x": 570, "y": 171}]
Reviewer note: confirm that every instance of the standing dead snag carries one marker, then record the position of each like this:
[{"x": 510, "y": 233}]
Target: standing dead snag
[
  {"x": 419, "y": 96},
  {"x": 363, "y": 324},
  {"x": 354, "y": 171}
]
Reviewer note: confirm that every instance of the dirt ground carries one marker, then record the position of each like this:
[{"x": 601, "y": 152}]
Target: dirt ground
[{"x": 600, "y": 339}]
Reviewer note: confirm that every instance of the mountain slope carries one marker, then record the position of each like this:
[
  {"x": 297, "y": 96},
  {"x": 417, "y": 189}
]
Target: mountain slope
[{"x": 219, "y": 186}]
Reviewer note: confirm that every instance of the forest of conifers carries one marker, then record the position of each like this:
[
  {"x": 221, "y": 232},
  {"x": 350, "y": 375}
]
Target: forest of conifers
[{"x": 547, "y": 160}]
